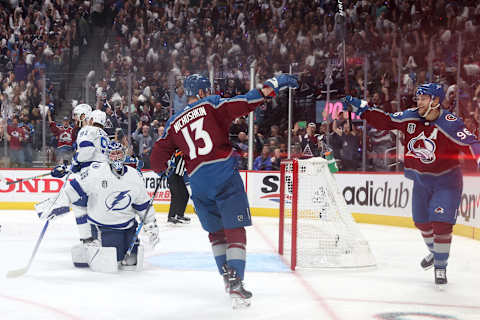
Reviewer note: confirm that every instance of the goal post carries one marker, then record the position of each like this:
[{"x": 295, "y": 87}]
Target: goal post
[{"x": 316, "y": 229}]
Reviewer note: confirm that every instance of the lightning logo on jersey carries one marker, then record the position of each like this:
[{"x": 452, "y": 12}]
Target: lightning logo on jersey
[
  {"x": 422, "y": 148},
  {"x": 118, "y": 201}
]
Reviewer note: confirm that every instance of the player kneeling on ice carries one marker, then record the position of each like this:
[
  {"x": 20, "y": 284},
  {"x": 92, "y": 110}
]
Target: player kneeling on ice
[{"x": 114, "y": 195}]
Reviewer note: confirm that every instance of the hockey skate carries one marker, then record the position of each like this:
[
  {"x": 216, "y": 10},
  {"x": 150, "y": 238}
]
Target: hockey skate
[
  {"x": 427, "y": 262},
  {"x": 226, "y": 277},
  {"x": 173, "y": 221},
  {"x": 183, "y": 219},
  {"x": 440, "y": 278},
  {"x": 240, "y": 297}
]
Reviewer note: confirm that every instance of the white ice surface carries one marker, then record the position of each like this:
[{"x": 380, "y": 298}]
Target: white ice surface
[{"x": 180, "y": 282}]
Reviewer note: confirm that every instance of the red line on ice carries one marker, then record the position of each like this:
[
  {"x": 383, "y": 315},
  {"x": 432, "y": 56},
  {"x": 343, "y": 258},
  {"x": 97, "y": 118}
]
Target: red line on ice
[
  {"x": 41, "y": 306},
  {"x": 304, "y": 283}
]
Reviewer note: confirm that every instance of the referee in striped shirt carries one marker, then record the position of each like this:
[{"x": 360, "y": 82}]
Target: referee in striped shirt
[{"x": 178, "y": 191}]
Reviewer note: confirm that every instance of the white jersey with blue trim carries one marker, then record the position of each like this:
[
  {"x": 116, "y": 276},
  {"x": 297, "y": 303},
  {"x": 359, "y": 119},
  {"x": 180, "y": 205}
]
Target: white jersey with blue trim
[
  {"x": 91, "y": 145},
  {"x": 111, "y": 201}
]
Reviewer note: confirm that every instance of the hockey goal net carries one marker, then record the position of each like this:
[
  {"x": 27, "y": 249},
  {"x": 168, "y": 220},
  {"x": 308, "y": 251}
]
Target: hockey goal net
[{"x": 316, "y": 229}]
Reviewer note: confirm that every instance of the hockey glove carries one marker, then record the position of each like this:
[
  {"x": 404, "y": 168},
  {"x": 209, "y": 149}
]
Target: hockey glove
[
  {"x": 59, "y": 171},
  {"x": 358, "y": 106},
  {"x": 47, "y": 210},
  {"x": 151, "y": 231},
  {"x": 281, "y": 82}
]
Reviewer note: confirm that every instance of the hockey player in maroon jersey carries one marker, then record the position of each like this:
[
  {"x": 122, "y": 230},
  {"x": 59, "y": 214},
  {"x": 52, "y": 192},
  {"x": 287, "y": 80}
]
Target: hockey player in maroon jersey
[
  {"x": 434, "y": 138},
  {"x": 200, "y": 131}
]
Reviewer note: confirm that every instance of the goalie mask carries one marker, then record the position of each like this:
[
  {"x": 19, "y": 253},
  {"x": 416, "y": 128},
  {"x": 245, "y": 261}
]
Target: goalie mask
[{"x": 116, "y": 157}]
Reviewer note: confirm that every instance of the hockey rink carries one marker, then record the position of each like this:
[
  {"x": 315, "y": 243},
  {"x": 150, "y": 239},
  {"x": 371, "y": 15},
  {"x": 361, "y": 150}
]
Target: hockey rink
[{"x": 180, "y": 280}]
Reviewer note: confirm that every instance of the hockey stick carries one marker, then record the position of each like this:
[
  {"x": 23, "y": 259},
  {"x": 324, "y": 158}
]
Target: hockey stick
[
  {"x": 347, "y": 89},
  {"x": 26, "y": 179},
  {"x": 20, "y": 272},
  {"x": 140, "y": 226}
]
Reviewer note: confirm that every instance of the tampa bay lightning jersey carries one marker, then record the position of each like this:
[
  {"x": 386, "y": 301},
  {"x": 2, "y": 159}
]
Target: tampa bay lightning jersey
[
  {"x": 431, "y": 147},
  {"x": 91, "y": 145},
  {"x": 111, "y": 201}
]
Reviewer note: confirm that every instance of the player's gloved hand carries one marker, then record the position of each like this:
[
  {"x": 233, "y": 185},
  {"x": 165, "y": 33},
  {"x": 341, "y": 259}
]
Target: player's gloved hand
[
  {"x": 140, "y": 164},
  {"x": 151, "y": 231},
  {"x": 75, "y": 166},
  {"x": 59, "y": 171},
  {"x": 358, "y": 106},
  {"x": 46, "y": 209},
  {"x": 281, "y": 82}
]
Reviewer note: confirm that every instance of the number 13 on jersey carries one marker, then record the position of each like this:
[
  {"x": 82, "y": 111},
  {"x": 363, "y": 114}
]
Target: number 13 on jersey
[{"x": 199, "y": 134}]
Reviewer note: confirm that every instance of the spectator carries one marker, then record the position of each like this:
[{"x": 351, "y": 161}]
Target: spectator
[
  {"x": 277, "y": 159},
  {"x": 309, "y": 142},
  {"x": 179, "y": 100},
  {"x": 145, "y": 143},
  {"x": 64, "y": 135},
  {"x": 263, "y": 161},
  {"x": 15, "y": 138}
]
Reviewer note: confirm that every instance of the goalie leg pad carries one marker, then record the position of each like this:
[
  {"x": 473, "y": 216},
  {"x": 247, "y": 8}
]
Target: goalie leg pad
[
  {"x": 133, "y": 262},
  {"x": 102, "y": 259},
  {"x": 79, "y": 256}
]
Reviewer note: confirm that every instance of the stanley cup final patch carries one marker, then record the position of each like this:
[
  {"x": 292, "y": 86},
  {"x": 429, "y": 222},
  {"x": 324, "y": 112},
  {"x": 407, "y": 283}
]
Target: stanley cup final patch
[
  {"x": 411, "y": 128},
  {"x": 104, "y": 184}
]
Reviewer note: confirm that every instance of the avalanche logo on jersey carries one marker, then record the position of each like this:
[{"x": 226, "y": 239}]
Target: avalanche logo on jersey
[
  {"x": 422, "y": 148},
  {"x": 118, "y": 200}
]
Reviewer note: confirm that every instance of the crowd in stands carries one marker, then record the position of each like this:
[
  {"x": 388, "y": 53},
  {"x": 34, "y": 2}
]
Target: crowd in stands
[
  {"x": 158, "y": 43},
  {"x": 38, "y": 40}
]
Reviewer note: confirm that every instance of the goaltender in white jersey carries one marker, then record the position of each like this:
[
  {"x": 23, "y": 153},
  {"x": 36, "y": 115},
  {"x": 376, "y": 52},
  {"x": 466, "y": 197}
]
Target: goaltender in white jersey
[{"x": 112, "y": 196}]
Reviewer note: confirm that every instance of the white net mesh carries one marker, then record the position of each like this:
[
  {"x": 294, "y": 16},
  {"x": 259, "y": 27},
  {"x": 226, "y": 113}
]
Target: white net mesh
[{"x": 327, "y": 235}]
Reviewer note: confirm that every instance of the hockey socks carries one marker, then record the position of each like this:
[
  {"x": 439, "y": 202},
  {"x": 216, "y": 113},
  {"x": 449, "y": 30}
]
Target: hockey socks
[
  {"x": 427, "y": 234},
  {"x": 219, "y": 248},
  {"x": 228, "y": 247},
  {"x": 236, "y": 250},
  {"x": 442, "y": 239}
]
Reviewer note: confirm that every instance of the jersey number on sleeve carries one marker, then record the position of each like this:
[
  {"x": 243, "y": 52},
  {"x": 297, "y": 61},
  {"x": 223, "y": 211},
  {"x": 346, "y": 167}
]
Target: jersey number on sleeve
[{"x": 200, "y": 134}]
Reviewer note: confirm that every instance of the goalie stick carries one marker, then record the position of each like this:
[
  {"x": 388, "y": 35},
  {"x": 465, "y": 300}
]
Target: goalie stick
[
  {"x": 140, "y": 226},
  {"x": 26, "y": 179},
  {"x": 20, "y": 272}
]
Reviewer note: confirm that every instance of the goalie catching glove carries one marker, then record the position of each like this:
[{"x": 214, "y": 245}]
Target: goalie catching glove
[{"x": 281, "y": 82}]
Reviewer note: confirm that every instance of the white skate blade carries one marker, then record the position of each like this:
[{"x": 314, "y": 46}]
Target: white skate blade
[
  {"x": 428, "y": 268},
  {"x": 441, "y": 287},
  {"x": 240, "y": 303}
]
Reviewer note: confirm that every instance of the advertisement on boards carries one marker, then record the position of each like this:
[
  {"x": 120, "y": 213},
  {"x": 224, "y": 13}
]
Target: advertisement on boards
[{"x": 382, "y": 194}]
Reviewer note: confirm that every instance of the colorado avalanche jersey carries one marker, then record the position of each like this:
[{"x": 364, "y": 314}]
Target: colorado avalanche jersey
[
  {"x": 432, "y": 148},
  {"x": 111, "y": 201},
  {"x": 91, "y": 145},
  {"x": 201, "y": 132}
]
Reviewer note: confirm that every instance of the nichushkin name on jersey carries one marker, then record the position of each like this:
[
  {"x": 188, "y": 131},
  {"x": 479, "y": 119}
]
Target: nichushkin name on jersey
[{"x": 189, "y": 116}]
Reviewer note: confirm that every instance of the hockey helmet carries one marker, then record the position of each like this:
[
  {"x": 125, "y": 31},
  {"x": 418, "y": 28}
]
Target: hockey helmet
[
  {"x": 193, "y": 83},
  {"x": 116, "y": 155},
  {"x": 82, "y": 109},
  {"x": 432, "y": 89},
  {"x": 98, "y": 116}
]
